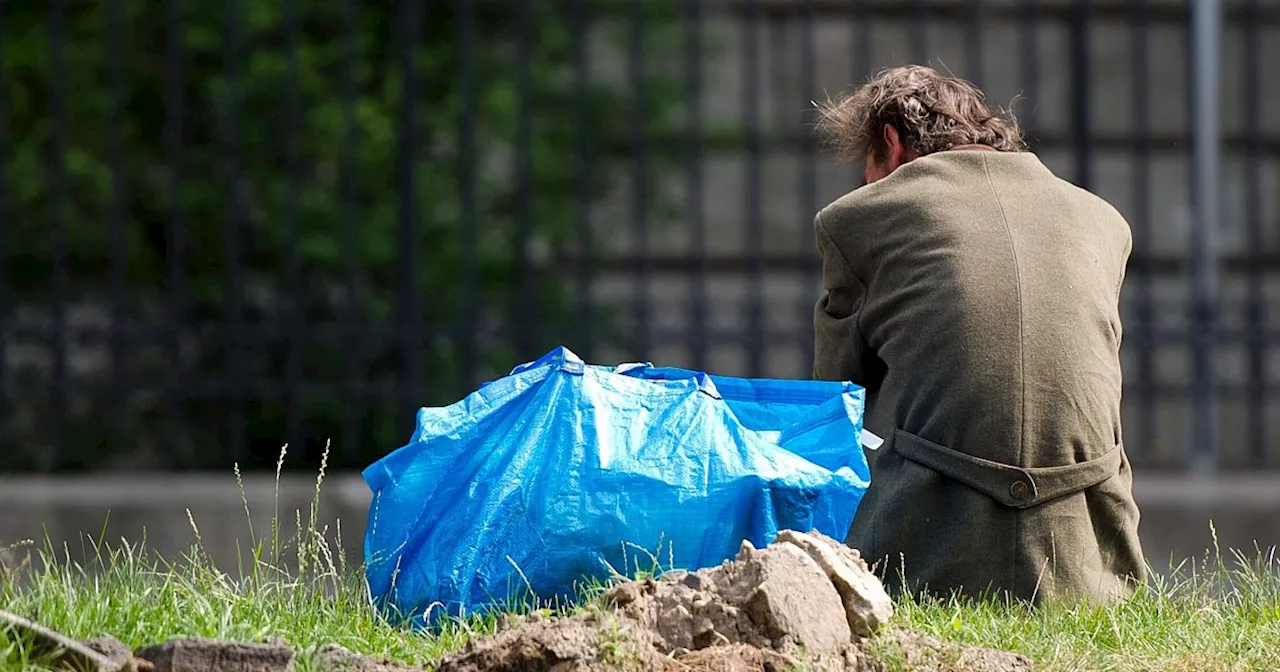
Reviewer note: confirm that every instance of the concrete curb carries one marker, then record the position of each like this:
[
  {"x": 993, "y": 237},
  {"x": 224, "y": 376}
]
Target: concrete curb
[{"x": 1176, "y": 511}]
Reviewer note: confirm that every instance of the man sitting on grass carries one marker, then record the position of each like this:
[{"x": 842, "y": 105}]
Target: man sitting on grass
[{"x": 975, "y": 296}]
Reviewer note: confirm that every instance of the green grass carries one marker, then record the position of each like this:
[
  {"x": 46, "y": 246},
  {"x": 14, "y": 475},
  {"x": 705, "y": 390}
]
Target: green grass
[
  {"x": 299, "y": 588},
  {"x": 1216, "y": 615}
]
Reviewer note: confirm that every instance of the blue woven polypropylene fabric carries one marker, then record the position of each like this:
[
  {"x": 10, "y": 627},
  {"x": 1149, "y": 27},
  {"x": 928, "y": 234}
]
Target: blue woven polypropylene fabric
[{"x": 563, "y": 472}]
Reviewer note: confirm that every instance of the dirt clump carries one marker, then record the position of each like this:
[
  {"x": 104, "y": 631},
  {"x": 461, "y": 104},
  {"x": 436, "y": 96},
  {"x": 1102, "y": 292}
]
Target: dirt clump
[
  {"x": 596, "y": 640},
  {"x": 921, "y": 653},
  {"x": 803, "y": 603}
]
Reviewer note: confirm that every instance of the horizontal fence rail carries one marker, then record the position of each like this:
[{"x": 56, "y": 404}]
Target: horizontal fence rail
[{"x": 229, "y": 227}]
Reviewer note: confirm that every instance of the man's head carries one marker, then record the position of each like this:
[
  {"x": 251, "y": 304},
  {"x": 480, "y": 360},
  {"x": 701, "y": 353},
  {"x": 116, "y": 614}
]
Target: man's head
[{"x": 912, "y": 111}]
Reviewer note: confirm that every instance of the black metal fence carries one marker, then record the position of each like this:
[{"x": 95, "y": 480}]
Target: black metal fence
[{"x": 228, "y": 226}]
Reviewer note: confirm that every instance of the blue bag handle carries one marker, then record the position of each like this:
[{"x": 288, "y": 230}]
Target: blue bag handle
[
  {"x": 648, "y": 371},
  {"x": 561, "y": 358}
]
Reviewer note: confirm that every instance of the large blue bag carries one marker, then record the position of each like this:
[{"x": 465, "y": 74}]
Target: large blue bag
[{"x": 562, "y": 471}]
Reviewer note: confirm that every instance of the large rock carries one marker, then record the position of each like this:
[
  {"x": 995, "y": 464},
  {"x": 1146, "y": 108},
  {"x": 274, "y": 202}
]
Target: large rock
[
  {"x": 775, "y": 598},
  {"x": 786, "y": 596},
  {"x": 867, "y": 605}
]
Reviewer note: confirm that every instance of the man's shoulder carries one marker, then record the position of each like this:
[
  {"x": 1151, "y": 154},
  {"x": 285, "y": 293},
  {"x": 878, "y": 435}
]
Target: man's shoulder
[
  {"x": 1091, "y": 205},
  {"x": 947, "y": 186},
  {"x": 1021, "y": 168},
  {"x": 892, "y": 193},
  {"x": 1047, "y": 201},
  {"x": 905, "y": 194},
  {"x": 850, "y": 201}
]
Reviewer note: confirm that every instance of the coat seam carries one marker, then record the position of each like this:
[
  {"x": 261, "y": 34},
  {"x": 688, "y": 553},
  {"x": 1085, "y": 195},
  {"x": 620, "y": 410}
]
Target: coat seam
[
  {"x": 1022, "y": 349},
  {"x": 1022, "y": 355}
]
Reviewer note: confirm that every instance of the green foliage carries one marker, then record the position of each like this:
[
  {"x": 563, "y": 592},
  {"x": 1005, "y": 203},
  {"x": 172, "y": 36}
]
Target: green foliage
[{"x": 245, "y": 199}]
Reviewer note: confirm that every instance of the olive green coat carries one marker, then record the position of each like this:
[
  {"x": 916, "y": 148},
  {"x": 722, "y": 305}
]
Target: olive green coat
[{"x": 975, "y": 295}]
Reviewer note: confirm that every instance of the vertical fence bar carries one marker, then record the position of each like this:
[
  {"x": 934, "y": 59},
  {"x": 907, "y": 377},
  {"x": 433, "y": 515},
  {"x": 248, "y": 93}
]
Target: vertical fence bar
[
  {"x": 5, "y": 299},
  {"x": 639, "y": 178},
  {"x": 175, "y": 234},
  {"x": 698, "y": 341},
  {"x": 755, "y": 219},
  {"x": 119, "y": 252},
  {"x": 973, "y": 42},
  {"x": 919, "y": 32},
  {"x": 238, "y": 378},
  {"x": 58, "y": 229},
  {"x": 526, "y": 331},
  {"x": 1257, "y": 317},
  {"x": 861, "y": 45},
  {"x": 861, "y": 62},
  {"x": 353, "y": 390},
  {"x": 1030, "y": 67},
  {"x": 808, "y": 186},
  {"x": 407, "y": 167},
  {"x": 468, "y": 304},
  {"x": 1206, "y": 26},
  {"x": 582, "y": 176},
  {"x": 1143, "y": 239},
  {"x": 1081, "y": 100},
  {"x": 293, "y": 307}
]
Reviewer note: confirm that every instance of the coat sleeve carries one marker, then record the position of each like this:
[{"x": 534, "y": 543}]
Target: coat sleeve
[{"x": 840, "y": 352}]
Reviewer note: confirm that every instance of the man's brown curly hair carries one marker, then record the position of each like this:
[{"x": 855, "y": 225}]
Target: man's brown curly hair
[{"x": 931, "y": 112}]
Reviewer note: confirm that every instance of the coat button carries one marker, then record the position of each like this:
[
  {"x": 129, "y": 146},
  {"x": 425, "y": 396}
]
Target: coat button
[{"x": 1019, "y": 490}]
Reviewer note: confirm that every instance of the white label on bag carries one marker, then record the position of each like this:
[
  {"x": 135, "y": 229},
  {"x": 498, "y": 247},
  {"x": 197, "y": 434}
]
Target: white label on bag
[{"x": 871, "y": 441}]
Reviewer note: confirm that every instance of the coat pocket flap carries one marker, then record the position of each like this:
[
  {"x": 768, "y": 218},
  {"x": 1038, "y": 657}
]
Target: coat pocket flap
[{"x": 1014, "y": 487}]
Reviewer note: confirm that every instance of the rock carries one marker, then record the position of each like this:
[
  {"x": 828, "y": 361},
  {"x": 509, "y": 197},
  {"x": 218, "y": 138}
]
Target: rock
[
  {"x": 115, "y": 650},
  {"x": 920, "y": 652},
  {"x": 334, "y": 658},
  {"x": 867, "y": 606},
  {"x": 777, "y": 598},
  {"x": 622, "y": 595},
  {"x": 63, "y": 651},
  {"x": 792, "y": 602},
  {"x": 204, "y": 655}
]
